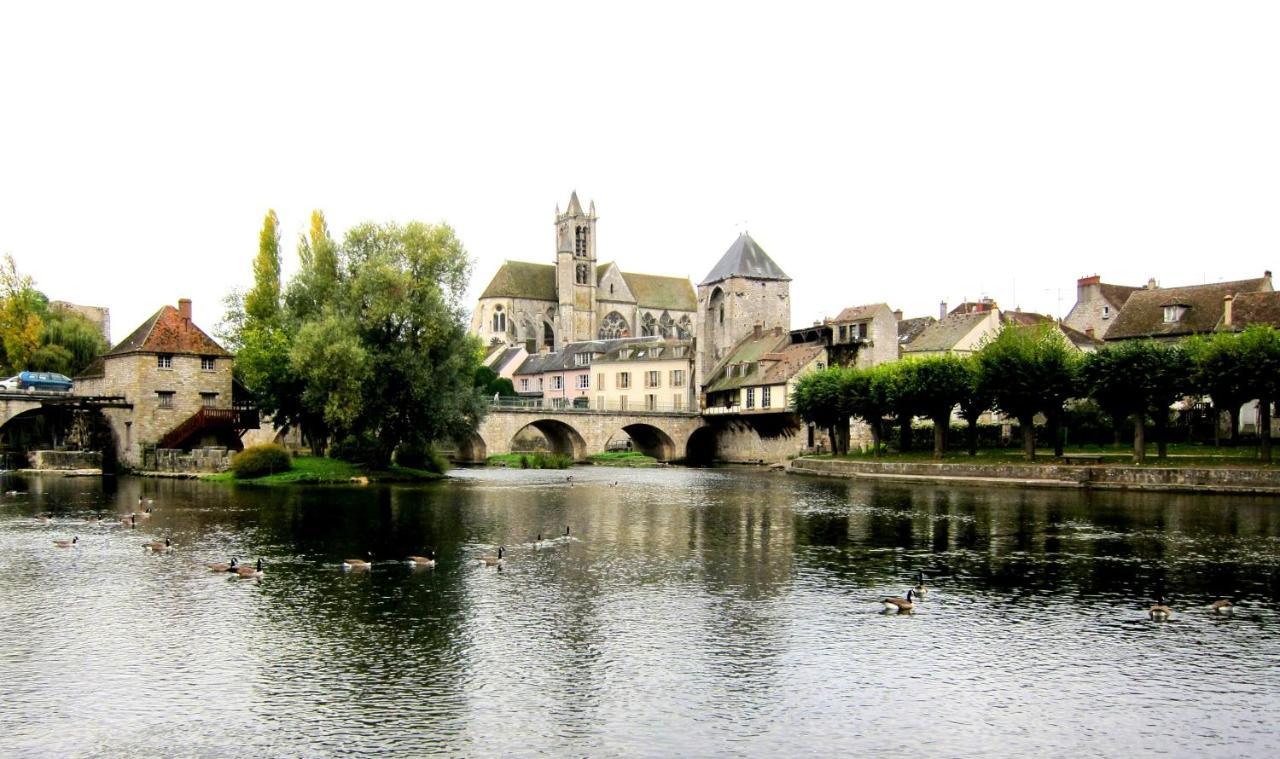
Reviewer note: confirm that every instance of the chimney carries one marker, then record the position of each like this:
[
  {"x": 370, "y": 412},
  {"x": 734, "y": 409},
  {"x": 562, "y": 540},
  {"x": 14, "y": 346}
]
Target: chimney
[
  {"x": 897, "y": 314},
  {"x": 1088, "y": 286},
  {"x": 757, "y": 330},
  {"x": 184, "y": 308},
  {"x": 1226, "y": 309},
  {"x": 1088, "y": 331},
  {"x": 942, "y": 310}
]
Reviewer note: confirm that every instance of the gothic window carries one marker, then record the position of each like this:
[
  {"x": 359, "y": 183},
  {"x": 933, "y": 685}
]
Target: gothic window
[
  {"x": 613, "y": 326},
  {"x": 684, "y": 330},
  {"x": 499, "y": 320},
  {"x": 580, "y": 241},
  {"x": 648, "y": 326},
  {"x": 582, "y": 274},
  {"x": 548, "y": 335},
  {"x": 722, "y": 313},
  {"x": 667, "y": 325}
]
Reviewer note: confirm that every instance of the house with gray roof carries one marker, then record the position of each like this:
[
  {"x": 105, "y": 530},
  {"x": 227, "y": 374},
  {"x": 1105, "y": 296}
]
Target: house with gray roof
[
  {"x": 577, "y": 299},
  {"x": 1097, "y": 304},
  {"x": 759, "y": 374}
]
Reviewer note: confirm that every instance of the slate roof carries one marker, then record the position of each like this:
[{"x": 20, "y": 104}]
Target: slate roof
[
  {"x": 1116, "y": 295},
  {"x": 521, "y": 279},
  {"x": 788, "y": 358},
  {"x": 1249, "y": 309},
  {"x": 1024, "y": 318},
  {"x": 943, "y": 335},
  {"x": 642, "y": 347},
  {"x": 1080, "y": 339},
  {"x": 745, "y": 258},
  {"x": 504, "y": 356},
  {"x": 562, "y": 360},
  {"x": 909, "y": 329},
  {"x": 167, "y": 332},
  {"x": 857, "y": 313},
  {"x": 662, "y": 293},
  {"x": 1143, "y": 312}
]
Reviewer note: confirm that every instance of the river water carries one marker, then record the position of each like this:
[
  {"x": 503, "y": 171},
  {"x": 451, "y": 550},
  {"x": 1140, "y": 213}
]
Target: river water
[{"x": 689, "y": 612}]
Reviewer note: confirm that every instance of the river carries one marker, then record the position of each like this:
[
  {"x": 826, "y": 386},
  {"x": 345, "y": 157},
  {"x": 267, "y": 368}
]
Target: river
[{"x": 690, "y": 612}]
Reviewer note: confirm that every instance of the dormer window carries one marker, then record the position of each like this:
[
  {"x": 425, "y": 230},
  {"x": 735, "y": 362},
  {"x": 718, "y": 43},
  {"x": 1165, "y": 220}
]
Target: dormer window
[
  {"x": 582, "y": 359},
  {"x": 1174, "y": 313},
  {"x": 1106, "y": 312}
]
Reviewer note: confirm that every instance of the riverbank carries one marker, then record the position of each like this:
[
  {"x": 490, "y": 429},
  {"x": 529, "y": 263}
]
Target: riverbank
[
  {"x": 317, "y": 470},
  {"x": 1235, "y": 480}
]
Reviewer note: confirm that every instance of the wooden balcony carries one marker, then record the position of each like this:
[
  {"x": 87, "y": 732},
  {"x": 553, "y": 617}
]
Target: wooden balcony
[{"x": 237, "y": 419}]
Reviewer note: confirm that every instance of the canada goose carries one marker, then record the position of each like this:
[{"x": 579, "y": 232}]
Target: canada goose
[
  {"x": 539, "y": 544},
  {"x": 130, "y": 521},
  {"x": 250, "y": 572},
  {"x": 42, "y": 519},
  {"x": 900, "y": 604},
  {"x": 422, "y": 562},
  {"x": 492, "y": 561},
  {"x": 1160, "y": 612},
  {"x": 65, "y": 543},
  {"x": 223, "y": 567},
  {"x": 142, "y": 501},
  {"x": 1222, "y": 606},
  {"x": 357, "y": 564},
  {"x": 158, "y": 546},
  {"x": 145, "y": 514},
  {"x": 566, "y": 531},
  {"x": 613, "y": 484},
  {"x": 920, "y": 589},
  {"x": 95, "y": 519}
]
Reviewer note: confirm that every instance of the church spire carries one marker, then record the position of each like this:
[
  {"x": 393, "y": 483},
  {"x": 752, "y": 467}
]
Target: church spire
[{"x": 575, "y": 208}]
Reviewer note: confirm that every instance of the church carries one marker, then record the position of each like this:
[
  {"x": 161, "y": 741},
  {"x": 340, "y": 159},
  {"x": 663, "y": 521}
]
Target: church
[{"x": 547, "y": 306}]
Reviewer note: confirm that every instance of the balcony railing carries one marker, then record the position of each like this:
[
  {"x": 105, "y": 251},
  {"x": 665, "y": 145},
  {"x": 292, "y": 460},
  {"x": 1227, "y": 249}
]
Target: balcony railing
[{"x": 568, "y": 406}]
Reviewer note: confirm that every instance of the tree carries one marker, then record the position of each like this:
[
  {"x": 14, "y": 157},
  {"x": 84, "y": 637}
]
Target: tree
[
  {"x": 1138, "y": 378},
  {"x": 317, "y": 279},
  {"x": 262, "y": 302},
  {"x": 975, "y": 401},
  {"x": 1219, "y": 371},
  {"x": 939, "y": 383},
  {"x": 897, "y": 386},
  {"x": 1029, "y": 370},
  {"x": 817, "y": 400},
  {"x": 1260, "y": 351},
  {"x": 21, "y": 307},
  {"x": 68, "y": 343},
  {"x": 870, "y": 393},
  {"x": 490, "y": 383}
]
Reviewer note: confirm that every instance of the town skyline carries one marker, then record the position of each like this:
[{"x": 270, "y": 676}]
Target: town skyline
[{"x": 875, "y": 154}]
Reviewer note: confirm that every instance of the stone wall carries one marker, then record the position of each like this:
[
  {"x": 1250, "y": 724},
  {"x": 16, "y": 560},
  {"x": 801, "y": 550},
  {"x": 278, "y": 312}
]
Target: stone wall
[
  {"x": 65, "y": 460},
  {"x": 198, "y": 460}
]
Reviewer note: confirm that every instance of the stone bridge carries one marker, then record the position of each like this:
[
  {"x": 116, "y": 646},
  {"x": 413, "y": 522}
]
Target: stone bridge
[{"x": 664, "y": 435}]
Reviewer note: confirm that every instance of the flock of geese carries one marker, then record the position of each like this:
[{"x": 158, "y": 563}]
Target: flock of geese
[
  {"x": 429, "y": 561},
  {"x": 1159, "y": 612}
]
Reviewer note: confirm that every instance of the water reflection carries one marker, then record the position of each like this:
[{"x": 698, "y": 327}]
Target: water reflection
[{"x": 689, "y": 612}]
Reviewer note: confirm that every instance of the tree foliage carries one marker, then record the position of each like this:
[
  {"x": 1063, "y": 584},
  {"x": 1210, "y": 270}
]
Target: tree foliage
[
  {"x": 262, "y": 302},
  {"x": 1030, "y": 370},
  {"x": 38, "y": 336}
]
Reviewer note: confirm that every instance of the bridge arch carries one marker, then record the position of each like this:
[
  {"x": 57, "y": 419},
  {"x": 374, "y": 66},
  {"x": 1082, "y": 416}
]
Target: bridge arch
[
  {"x": 651, "y": 441},
  {"x": 702, "y": 448},
  {"x": 561, "y": 437},
  {"x": 471, "y": 449}
]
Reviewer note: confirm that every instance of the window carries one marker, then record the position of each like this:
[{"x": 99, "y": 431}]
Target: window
[
  {"x": 653, "y": 379},
  {"x": 1106, "y": 312},
  {"x": 584, "y": 381},
  {"x": 1174, "y": 313},
  {"x": 164, "y": 361},
  {"x": 622, "y": 403},
  {"x": 600, "y": 402},
  {"x": 524, "y": 383},
  {"x": 208, "y": 363},
  {"x": 862, "y": 330},
  {"x": 539, "y": 383},
  {"x": 751, "y": 397},
  {"x": 600, "y": 381},
  {"x": 499, "y": 320},
  {"x": 648, "y": 326},
  {"x": 624, "y": 380},
  {"x": 557, "y": 382},
  {"x": 764, "y": 396},
  {"x": 581, "y": 276},
  {"x": 582, "y": 359},
  {"x": 209, "y": 400},
  {"x": 677, "y": 402},
  {"x": 722, "y": 313},
  {"x": 580, "y": 241},
  {"x": 651, "y": 403},
  {"x": 844, "y": 333},
  {"x": 820, "y": 366},
  {"x": 677, "y": 377},
  {"x": 165, "y": 397}
]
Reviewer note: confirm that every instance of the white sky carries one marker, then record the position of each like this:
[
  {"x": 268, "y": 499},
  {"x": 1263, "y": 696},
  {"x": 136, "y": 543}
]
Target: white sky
[{"x": 904, "y": 152}]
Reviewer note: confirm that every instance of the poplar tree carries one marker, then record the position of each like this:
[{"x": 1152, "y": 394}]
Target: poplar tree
[{"x": 262, "y": 303}]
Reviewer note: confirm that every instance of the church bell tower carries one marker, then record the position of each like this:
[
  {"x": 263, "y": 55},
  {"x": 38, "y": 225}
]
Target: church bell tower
[{"x": 575, "y": 273}]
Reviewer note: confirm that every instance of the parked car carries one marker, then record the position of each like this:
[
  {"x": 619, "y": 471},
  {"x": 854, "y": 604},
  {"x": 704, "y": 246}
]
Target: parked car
[{"x": 44, "y": 381}]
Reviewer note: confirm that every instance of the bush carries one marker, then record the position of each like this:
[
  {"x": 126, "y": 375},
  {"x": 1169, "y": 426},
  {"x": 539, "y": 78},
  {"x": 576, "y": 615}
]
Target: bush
[
  {"x": 261, "y": 460},
  {"x": 419, "y": 456},
  {"x": 357, "y": 449}
]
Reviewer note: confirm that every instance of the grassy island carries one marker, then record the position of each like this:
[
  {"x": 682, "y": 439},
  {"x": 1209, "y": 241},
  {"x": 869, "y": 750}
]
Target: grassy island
[
  {"x": 622, "y": 458},
  {"x": 319, "y": 470}
]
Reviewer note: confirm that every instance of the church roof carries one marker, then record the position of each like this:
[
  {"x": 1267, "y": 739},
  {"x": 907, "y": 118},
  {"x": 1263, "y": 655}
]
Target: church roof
[
  {"x": 745, "y": 258},
  {"x": 575, "y": 208},
  {"x": 167, "y": 331},
  {"x": 664, "y": 293},
  {"x": 520, "y": 279}
]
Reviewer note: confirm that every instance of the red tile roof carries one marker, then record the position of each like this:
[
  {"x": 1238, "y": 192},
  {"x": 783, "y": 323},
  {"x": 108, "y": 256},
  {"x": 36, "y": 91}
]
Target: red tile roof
[{"x": 168, "y": 332}]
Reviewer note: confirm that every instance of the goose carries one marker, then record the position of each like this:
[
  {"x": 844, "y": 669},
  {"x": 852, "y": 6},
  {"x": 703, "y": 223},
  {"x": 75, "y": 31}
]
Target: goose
[
  {"x": 357, "y": 564},
  {"x": 129, "y": 521},
  {"x": 614, "y": 484},
  {"x": 95, "y": 519},
  {"x": 144, "y": 514},
  {"x": 12, "y": 493},
  {"x": 492, "y": 561},
  {"x": 1160, "y": 612},
  {"x": 223, "y": 567},
  {"x": 42, "y": 519},
  {"x": 422, "y": 562},
  {"x": 920, "y": 588},
  {"x": 1222, "y": 606},
  {"x": 566, "y": 531},
  {"x": 157, "y": 546},
  {"x": 539, "y": 544},
  {"x": 900, "y": 604},
  {"x": 65, "y": 543},
  {"x": 250, "y": 572}
]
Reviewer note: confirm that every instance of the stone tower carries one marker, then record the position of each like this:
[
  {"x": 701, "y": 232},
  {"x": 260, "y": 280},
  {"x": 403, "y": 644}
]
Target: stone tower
[
  {"x": 575, "y": 273},
  {"x": 744, "y": 289}
]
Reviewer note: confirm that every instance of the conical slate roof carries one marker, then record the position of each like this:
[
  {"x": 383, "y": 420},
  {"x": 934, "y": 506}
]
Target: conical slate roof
[
  {"x": 575, "y": 208},
  {"x": 745, "y": 258}
]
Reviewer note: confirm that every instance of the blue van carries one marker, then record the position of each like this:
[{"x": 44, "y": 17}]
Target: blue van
[{"x": 44, "y": 381}]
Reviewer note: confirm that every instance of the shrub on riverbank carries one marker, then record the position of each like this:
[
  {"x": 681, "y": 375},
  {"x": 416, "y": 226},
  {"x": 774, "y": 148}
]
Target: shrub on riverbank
[{"x": 260, "y": 460}]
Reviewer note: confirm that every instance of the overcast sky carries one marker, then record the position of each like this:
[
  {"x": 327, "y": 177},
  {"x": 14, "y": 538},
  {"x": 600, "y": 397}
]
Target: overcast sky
[{"x": 898, "y": 152}]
